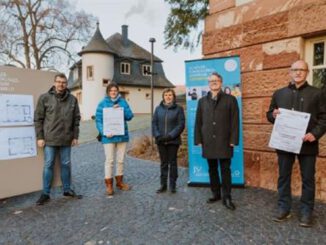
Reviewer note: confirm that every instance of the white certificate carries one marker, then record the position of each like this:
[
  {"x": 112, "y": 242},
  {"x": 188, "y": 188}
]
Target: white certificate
[
  {"x": 113, "y": 121},
  {"x": 289, "y": 130}
]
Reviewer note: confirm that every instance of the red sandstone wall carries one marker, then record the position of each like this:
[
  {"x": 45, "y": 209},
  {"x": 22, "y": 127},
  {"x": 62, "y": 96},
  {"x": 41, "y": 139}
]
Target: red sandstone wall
[{"x": 268, "y": 36}]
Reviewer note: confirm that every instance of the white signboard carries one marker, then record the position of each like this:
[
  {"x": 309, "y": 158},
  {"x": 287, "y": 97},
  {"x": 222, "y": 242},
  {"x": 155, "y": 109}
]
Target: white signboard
[
  {"x": 113, "y": 121},
  {"x": 16, "y": 110},
  {"x": 17, "y": 143},
  {"x": 289, "y": 130}
]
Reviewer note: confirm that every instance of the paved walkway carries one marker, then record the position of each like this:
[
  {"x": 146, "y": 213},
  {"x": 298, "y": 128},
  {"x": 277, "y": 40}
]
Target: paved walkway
[{"x": 143, "y": 217}]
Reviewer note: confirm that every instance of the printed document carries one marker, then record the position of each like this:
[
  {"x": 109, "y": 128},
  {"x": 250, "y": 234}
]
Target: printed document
[
  {"x": 289, "y": 130},
  {"x": 113, "y": 121}
]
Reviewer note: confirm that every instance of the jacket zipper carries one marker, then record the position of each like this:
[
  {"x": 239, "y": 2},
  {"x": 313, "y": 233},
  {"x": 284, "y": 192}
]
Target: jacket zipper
[{"x": 166, "y": 121}]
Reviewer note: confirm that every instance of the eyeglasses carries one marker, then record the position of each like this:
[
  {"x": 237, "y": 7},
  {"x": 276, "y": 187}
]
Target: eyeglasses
[
  {"x": 61, "y": 82},
  {"x": 214, "y": 81},
  {"x": 113, "y": 90},
  {"x": 298, "y": 70}
]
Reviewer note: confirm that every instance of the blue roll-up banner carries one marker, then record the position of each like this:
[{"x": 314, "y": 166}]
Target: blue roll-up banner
[{"x": 197, "y": 73}]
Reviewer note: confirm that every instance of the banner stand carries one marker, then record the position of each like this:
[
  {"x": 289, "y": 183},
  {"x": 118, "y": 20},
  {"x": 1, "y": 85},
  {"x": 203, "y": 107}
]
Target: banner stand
[{"x": 197, "y": 73}]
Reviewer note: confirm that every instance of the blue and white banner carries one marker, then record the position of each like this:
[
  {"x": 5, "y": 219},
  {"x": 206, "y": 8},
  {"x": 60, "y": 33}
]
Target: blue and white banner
[{"x": 197, "y": 73}]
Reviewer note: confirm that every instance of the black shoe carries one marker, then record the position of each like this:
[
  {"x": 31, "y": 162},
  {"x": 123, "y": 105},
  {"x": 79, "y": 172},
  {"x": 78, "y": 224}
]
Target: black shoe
[
  {"x": 213, "y": 199},
  {"x": 228, "y": 204},
  {"x": 72, "y": 194},
  {"x": 43, "y": 199},
  {"x": 306, "y": 220},
  {"x": 281, "y": 216},
  {"x": 173, "y": 189},
  {"x": 161, "y": 189}
]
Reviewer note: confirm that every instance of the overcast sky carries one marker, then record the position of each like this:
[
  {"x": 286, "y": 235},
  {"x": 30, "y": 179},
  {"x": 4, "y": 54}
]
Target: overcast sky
[{"x": 145, "y": 19}]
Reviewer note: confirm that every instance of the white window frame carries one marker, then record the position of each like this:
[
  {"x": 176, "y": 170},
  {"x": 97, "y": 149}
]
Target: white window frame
[
  {"x": 309, "y": 56},
  {"x": 149, "y": 67},
  {"x": 123, "y": 67}
]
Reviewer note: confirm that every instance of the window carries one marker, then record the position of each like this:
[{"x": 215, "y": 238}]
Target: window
[
  {"x": 146, "y": 70},
  {"x": 105, "y": 82},
  {"x": 125, "y": 68},
  {"x": 79, "y": 97},
  {"x": 124, "y": 94},
  {"x": 90, "y": 72},
  {"x": 316, "y": 58}
]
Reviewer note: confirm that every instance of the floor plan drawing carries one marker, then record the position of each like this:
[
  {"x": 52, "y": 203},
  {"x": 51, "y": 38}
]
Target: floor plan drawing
[
  {"x": 16, "y": 109},
  {"x": 17, "y": 142}
]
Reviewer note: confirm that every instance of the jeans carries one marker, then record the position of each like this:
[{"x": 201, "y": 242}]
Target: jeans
[
  {"x": 307, "y": 169},
  {"x": 168, "y": 156},
  {"x": 50, "y": 153},
  {"x": 215, "y": 180}
]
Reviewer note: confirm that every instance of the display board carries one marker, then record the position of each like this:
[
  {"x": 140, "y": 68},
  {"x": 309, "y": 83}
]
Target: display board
[
  {"x": 197, "y": 73},
  {"x": 21, "y": 162}
]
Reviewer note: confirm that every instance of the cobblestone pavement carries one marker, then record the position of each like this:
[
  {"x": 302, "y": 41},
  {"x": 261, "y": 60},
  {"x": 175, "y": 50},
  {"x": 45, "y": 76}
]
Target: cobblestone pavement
[{"x": 141, "y": 216}]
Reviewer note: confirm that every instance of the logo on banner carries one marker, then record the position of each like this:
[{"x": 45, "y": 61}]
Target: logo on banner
[
  {"x": 230, "y": 65},
  {"x": 197, "y": 170}
]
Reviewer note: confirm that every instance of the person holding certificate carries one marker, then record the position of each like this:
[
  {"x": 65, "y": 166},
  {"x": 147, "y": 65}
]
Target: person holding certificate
[
  {"x": 301, "y": 97},
  {"x": 168, "y": 124},
  {"x": 111, "y": 116}
]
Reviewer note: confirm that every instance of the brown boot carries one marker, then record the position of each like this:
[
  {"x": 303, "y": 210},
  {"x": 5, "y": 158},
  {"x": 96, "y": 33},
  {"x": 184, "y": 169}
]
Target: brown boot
[
  {"x": 120, "y": 184},
  {"x": 109, "y": 186}
]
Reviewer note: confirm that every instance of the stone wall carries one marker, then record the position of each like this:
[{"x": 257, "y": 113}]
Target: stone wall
[{"x": 268, "y": 36}]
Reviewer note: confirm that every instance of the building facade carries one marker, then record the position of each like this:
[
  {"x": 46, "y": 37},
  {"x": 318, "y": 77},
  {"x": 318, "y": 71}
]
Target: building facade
[
  {"x": 120, "y": 60},
  {"x": 268, "y": 36}
]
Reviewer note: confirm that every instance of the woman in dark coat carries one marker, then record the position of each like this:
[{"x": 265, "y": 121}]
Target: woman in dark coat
[{"x": 168, "y": 124}]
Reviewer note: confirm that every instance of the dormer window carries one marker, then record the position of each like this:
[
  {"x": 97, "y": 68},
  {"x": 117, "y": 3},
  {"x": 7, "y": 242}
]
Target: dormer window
[
  {"x": 146, "y": 70},
  {"x": 125, "y": 68}
]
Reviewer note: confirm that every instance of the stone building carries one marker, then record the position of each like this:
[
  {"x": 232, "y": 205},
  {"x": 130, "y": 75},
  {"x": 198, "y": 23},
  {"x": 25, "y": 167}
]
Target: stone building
[
  {"x": 268, "y": 36},
  {"x": 120, "y": 60}
]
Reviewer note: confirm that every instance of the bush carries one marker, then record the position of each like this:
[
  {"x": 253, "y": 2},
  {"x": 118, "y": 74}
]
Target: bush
[{"x": 141, "y": 148}]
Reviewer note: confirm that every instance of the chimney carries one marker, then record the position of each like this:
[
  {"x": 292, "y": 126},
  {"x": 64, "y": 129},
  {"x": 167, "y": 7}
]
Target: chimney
[{"x": 125, "y": 35}]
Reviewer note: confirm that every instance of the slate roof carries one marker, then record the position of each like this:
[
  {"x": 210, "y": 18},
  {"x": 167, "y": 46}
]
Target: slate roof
[
  {"x": 97, "y": 44},
  {"x": 130, "y": 52}
]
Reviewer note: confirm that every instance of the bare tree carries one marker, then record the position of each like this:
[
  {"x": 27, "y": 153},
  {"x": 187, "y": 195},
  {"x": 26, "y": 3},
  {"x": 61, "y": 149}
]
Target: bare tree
[{"x": 41, "y": 34}]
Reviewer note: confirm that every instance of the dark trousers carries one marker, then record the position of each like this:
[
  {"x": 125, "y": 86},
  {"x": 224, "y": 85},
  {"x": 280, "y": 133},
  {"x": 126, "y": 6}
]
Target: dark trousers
[
  {"x": 168, "y": 156},
  {"x": 215, "y": 180},
  {"x": 307, "y": 169}
]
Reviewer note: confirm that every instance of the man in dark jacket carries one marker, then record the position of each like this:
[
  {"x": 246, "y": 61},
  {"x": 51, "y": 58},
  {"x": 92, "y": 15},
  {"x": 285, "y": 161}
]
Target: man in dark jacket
[
  {"x": 299, "y": 96},
  {"x": 57, "y": 120},
  {"x": 217, "y": 131}
]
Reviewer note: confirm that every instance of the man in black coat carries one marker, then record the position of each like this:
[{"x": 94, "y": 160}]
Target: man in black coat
[
  {"x": 299, "y": 96},
  {"x": 217, "y": 131}
]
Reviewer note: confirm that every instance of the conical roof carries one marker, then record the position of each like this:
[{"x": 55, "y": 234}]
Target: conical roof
[{"x": 97, "y": 44}]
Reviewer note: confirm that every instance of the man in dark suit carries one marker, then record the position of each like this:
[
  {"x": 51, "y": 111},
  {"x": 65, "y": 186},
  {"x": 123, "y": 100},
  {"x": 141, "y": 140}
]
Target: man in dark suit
[{"x": 217, "y": 131}]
